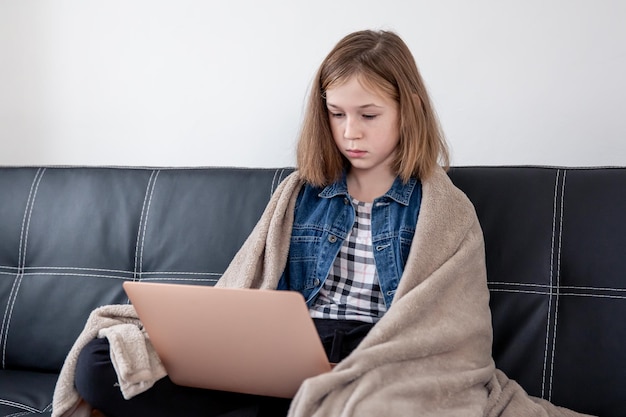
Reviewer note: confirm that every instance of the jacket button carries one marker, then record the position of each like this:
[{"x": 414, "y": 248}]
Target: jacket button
[
  {"x": 332, "y": 238},
  {"x": 346, "y": 201},
  {"x": 316, "y": 282}
]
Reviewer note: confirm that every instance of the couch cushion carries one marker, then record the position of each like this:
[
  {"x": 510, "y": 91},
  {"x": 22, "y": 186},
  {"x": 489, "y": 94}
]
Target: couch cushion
[{"x": 24, "y": 393}]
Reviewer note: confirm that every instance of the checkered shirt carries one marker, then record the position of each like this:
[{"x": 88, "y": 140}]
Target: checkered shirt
[{"x": 352, "y": 290}]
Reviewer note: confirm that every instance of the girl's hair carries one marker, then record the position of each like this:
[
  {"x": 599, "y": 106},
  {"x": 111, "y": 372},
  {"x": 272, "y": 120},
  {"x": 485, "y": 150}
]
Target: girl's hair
[{"x": 384, "y": 63}]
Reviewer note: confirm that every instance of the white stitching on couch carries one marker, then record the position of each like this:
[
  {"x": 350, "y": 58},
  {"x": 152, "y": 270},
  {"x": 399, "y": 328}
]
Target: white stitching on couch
[
  {"x": 558, "y": 283},
  {"x": 145, "y": 223},
  {"x": 43, "y": 270},
  {"x": 572, "y": 294},
  {"x": 277, "y": 180},
  {"x": 181, "y": 273},
  {"x": 73, "y": 268},
  {"x": 33, "y": 187},
  {"x": 21, "y": 414},
  {"x": 273, "y": 186},
  {"x": 118, "y": 277},
  {"x": 545, "y": 354},
  {"x": 49, "y": 270},
  {"x": 280, "y": 177},
  {"x": 572, "y": 287},
  {"x": 145, "y": 199},
  {"x": 563, "y": 294},
  {"x": 62, "y": 272},
  {"x": 19, "y": 405},
  {"x": 28, "y": 211},
  {"x": 69, "y": 268},
  {"x": 520, "y": 291},
  {"x": 22, "y": 262},
  {"x": 6, "y": 318}
]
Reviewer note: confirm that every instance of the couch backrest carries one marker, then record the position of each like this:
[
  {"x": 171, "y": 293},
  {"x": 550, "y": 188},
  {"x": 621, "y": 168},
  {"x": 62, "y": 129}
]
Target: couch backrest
[
  {"x": 556, "y": 263},
  {"x": 69, "y": 237},
  {"x": 555, "y": 241}
]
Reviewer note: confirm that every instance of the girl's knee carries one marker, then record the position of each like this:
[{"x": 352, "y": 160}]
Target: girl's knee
[{"x": 95, "y": 378}]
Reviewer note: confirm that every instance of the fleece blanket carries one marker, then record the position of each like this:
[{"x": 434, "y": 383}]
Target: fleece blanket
[{"x": 430, "y": 355}]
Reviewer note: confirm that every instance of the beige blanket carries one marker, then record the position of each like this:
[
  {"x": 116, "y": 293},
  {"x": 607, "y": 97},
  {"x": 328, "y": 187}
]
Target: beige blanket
[
  {"x": 430, "y": 355},
  {"x": 136, "y": 363}
]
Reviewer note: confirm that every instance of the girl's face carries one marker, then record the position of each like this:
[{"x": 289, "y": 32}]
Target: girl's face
[{"x": 365, "y": 126}]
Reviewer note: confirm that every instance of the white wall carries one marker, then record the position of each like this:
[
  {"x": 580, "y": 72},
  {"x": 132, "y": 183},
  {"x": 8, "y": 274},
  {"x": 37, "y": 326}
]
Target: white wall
[{"x": 199, "y": 82}]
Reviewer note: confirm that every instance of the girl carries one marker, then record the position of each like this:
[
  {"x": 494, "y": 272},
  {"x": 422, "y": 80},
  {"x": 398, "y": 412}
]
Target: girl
[{"x": 386, "y": 251}]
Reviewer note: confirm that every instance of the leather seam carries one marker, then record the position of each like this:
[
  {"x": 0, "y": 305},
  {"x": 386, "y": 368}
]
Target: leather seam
[
  {"x": 550, "y": 287},
  {"x": 145, "y": 224},
  {"x": 8, "y": 312},
  {"x": 139, "y": 228},
  {"x": 558, "y": 282}
]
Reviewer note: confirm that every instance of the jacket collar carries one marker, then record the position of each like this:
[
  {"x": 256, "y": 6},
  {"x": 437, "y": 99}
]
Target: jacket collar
[{"x": 399, "y": 191}]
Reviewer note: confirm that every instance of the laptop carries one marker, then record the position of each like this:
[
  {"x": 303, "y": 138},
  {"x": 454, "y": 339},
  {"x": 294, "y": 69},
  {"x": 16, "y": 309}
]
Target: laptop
[{"x": 252, "y": 341}]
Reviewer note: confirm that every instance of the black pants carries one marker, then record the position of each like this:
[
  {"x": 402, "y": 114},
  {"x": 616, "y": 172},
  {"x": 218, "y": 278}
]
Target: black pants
[{"x": 96, "y": 382}]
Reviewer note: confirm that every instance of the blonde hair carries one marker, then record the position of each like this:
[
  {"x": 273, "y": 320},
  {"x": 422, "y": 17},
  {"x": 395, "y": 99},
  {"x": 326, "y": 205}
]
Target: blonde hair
[{"x": 382, "y": 61}]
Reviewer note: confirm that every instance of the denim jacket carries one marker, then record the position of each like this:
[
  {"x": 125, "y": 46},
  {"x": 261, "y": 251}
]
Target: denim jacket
[{"x": 324, "y": 217}]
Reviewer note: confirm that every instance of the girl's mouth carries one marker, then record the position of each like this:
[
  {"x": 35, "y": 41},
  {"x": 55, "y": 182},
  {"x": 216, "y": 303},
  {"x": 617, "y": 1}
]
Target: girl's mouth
[{"x": 355, "y": 153}]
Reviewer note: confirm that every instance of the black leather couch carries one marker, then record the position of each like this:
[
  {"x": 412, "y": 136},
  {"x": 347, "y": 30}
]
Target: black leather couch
[{"x": 69, "y": 236}]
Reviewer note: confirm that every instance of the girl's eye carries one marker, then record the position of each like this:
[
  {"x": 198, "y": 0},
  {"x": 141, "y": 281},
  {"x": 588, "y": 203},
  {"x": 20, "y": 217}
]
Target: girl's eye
[
  {"x": 336, "y": 115},
  {"x": 369, "y": 116}
]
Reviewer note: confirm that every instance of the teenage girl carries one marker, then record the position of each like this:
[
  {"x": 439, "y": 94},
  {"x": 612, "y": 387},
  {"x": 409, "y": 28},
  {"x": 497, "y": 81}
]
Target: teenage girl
[{"x": 369, "y": 137}]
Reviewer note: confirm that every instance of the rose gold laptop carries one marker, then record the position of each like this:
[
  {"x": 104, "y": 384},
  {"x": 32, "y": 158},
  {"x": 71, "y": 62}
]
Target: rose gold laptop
[{"x": 251, "y": 341}]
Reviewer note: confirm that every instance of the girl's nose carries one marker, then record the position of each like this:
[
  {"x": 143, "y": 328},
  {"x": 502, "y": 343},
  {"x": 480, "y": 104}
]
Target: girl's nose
[{"x": 352, "y": 129}]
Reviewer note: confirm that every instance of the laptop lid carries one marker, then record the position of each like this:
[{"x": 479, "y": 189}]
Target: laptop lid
[{"x": 252, "y": 341}]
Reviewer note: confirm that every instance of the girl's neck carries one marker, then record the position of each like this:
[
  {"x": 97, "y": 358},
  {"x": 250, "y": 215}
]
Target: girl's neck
[{"x": 366, "y": 187}]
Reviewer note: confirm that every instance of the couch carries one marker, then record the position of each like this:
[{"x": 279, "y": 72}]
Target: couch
[{"x": 69, "y": 236}]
